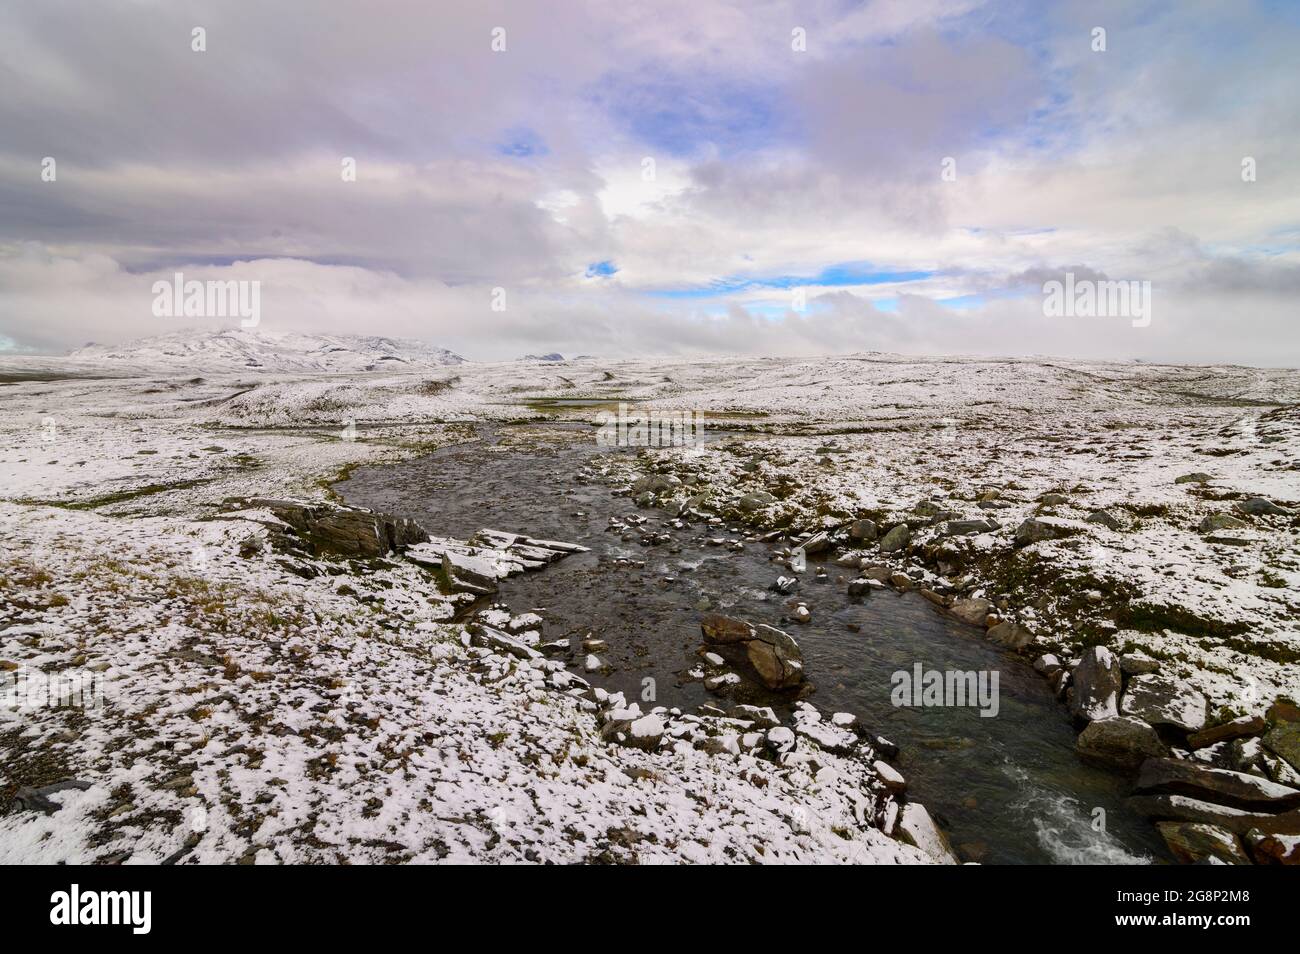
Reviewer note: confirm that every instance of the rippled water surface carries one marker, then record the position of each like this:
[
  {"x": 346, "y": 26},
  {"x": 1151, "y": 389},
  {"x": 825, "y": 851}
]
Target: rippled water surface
[{"x": 1007, "y": 788}]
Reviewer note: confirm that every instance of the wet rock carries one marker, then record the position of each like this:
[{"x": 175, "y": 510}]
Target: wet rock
[
  {"x": 917, "y": 828},
  {"x": 1192, "y": 843},
  {"x": 896, "y": 539},
  {"x": 774, "y": 655},
  {"x": 860, "y": 587},
  {"x": 864, "y": 530},
  {"x": 1236, "y": 729},
  {"x": 1011, "y": 635},
  {"x": 1261, "y": 506},
  {"x": 1122, "y": 742},
  {"x": 1106, "y": 519},
  {"x": 1097, "y": 682},
  {"x": 971, "y": 610},
  {"x": 1221, "y": 521},
  {"x": 1160, "y": 701},
  {"x": 816, "y": 543},
  {"x": 725, "y": 630},
  {"x": 776, "y": 658},
  {"x": 1221, "y": 786}
]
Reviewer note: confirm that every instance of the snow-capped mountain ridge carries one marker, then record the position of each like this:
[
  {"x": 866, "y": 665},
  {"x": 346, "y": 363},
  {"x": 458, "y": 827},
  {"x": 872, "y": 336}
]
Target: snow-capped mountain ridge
[{"x": 279, "y": 351}]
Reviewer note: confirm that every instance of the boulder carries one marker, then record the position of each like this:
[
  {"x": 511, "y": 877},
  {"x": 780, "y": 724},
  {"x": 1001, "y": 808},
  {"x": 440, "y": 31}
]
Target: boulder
[
  {"x": 1260, "y": 506},
  {"x": 1196, "y": 477},
  {"x": 1221, "y": 521},
  {"x": 774, "y": 654},
  {"x": 339, "y": 531},
  {"x": 971, "y": 610},
  {"x": 1193, "y": 843},
  {"x": 1122, "y": 742},
  {"x": 725, "y": 630},
  {"x": 1097, "y": 682},
  {"x": 917, "y": 828},
  {"x": 1053, "y": 499},
  {"x": 897, "y": 538},
  {"x": 1036, "y": 530},
  {"x": 926, "y": 508},
  {"x": 864, "y": 529},
  {"x": 1221, "y": 786},
  {"x": 1160, "y": 701},
  {"x": 1106, "y": 519},
  {"x": 1236, "y": 729},
  {"x": 468, "y": 574},
  {"x": 1137, "y": 664}
]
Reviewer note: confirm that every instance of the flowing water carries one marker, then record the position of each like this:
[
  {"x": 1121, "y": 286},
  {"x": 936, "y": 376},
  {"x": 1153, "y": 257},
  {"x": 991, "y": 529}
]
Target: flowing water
[{"x": 1008, "y": 788}]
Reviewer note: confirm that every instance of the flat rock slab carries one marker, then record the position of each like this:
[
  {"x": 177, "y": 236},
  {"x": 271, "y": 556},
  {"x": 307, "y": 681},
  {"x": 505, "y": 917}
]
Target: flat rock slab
[
  {"x": 1159, "y": 701},
  {"x": 1236, "y": 789}
]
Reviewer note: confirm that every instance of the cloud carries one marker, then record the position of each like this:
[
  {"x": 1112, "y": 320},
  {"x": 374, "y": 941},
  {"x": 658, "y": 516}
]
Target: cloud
[{"x": 613, "y": 153}]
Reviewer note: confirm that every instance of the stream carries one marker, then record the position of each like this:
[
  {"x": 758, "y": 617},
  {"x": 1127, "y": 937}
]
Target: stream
[{"x": 1008, "y": 789}]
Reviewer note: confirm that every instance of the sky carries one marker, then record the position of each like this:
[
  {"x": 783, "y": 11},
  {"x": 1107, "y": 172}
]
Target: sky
[{"x": 684, "y": 177}]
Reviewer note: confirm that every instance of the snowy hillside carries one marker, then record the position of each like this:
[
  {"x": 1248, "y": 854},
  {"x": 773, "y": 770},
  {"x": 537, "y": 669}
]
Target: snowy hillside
[{"x": 258, "y": 350}]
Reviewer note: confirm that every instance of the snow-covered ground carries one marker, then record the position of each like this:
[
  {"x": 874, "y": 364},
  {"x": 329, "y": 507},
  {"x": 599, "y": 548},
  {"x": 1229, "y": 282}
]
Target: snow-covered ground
[{"x": 262, "y": 708}]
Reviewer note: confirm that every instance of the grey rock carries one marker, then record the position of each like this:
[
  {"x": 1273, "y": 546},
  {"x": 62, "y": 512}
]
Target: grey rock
[
  {"x": 1159, "y": 701},
  {"x": 1260, "y": 506},
  {"x": 1097, "y": 682},
  {"x": 1194, "y": 478},
  {"x": 897, "y": 538},
  {"x": 971, "y": 610},
  {"x": 1122, "y": 742},
  {"x": 864, "y": 529},
  {"x": 1221, "y": 521},
  {"x": 1106, "y": 519},
  {"x": 1221, "y": 786},
  {"x": 1137, "y": 664},
  {"x": 1035, "y": 530},
  {"x": 963, "y": 528}
]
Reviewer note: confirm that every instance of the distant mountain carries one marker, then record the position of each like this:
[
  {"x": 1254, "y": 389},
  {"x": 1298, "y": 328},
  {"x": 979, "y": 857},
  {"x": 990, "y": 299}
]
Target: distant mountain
[
  {"x": 553, "y": 356},
  {"x": 257, "y": 350}
]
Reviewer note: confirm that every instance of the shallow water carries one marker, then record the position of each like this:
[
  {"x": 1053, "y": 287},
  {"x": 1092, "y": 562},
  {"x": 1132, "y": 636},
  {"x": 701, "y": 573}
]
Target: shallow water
[{"x": 1009, "y": 788}]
